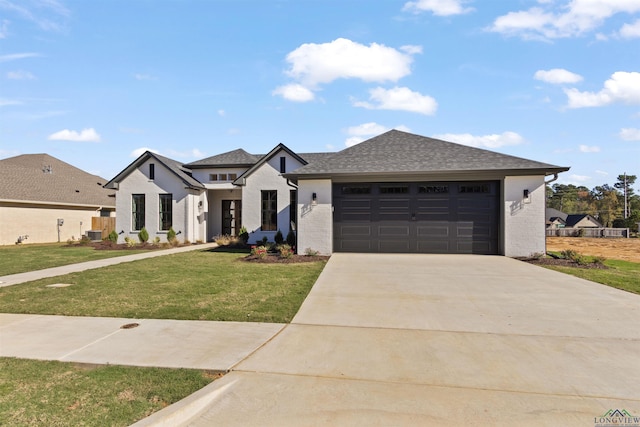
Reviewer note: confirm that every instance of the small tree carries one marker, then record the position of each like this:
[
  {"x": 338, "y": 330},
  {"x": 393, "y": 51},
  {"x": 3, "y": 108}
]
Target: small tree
[
  {"x": 143, "y": 235},
  {"x": 171, "y": 235},
  {"x": 278, "y": 238},
  {"x": 243, "y": 235},
  {"x": 291, "y": 238},
  {"x": 113, "y": 236}
]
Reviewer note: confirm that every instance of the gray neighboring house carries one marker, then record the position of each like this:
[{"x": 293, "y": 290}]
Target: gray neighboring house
[
  {"x": 558, "y": 219},
  {"x": 37, "y": 190},
  {"x": 397, "y": 192}
]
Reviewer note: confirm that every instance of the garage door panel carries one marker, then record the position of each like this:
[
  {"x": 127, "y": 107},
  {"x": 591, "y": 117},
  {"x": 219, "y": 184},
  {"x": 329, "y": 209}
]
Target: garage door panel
[{"x": 437, "y": 217}]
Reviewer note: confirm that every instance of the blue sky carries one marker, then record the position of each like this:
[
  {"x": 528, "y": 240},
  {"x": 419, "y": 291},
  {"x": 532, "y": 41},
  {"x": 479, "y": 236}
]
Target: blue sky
[{"x": 95, "y": 83}]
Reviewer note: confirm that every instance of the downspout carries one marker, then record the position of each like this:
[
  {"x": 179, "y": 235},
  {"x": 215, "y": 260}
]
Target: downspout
[
  {"x": 290, "y": 184},
  {"x": 555, "y": 177}
]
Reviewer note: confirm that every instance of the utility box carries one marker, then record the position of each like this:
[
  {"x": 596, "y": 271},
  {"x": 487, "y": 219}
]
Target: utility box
[{"x": 94, "y": 235}]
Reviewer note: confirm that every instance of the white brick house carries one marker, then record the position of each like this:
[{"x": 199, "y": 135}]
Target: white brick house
[{"x": 397, "y": 192}]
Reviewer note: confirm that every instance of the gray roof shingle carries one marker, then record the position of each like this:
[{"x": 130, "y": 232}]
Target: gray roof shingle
[
  {"x": 237, "y": 157},
  {"x": 43, "y": 178},
  {"x": 397, "y": 152}
]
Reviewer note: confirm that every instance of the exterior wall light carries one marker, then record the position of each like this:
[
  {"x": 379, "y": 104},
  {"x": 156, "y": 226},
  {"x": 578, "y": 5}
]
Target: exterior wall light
[
  {"x": 314, "y": 199},
  {"x": 526, "y": 196}
]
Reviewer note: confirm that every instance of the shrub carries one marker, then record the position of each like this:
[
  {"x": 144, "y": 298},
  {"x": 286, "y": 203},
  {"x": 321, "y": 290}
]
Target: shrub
[
  {"x": 84, "y": 240},
  {"x": 262, "y": 242},
  {"x": 113, "y": 236},
  {"x": 311, "y": 252},
  {"x": 259, "y": 251},
  {"x": 156, "y": 241},
  {"x": 143, "y": 235},
  {"x": 171, "y": 235},
  {"x": 599, "y": 260},
  {"x": 291, "y": 238},
  {"x": 285, "y": 251},
  {"x": 243, "y": 235},
  {"x": 278, "y": 238},
  {"x": 129, "y": 241}
]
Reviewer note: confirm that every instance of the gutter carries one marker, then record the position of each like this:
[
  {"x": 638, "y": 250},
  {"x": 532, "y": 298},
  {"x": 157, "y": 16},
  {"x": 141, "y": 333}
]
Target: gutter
[{"x": 40, "y": 202}]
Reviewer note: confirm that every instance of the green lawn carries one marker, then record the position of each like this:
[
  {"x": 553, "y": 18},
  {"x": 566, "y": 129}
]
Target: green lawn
[
  {"x": 620, "y": 274},
  {"x": 39, "y": 393},
  {"x": 197, "y": 285},
  {"x": 21, "y": 258}
]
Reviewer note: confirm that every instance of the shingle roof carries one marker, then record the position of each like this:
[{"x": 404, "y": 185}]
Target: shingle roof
[
  {"x": 174, "y": 166},
  {"x": 43, "y": 178},
  {"x": 397, "y": 152},
  {"x": 237, "y": 157}
]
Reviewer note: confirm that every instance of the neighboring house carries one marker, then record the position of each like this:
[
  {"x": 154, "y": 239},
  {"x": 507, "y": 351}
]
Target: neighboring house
[
  {"x": 37, "y": 190},
  {"x": 558, "y": 219},
  {"x": 397, "y": 192}
]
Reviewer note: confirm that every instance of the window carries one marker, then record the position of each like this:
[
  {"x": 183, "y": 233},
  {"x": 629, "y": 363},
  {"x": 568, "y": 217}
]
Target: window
[
  {"x": 394, "y": 189},
  {"x": 269, "y": 210},
  {"x": 232, "y": 176},
  {"x": 137, "y": 211},
  {"x": 222, "y": 177},
  {"x": 474, "y": 188},
  {"x": 283, "y": 164},
  {"x": 433, "y": 189},
  {"x": 293, "y": 208},
  {"x": 356, "y": 189},
  {"x": 166, "y": 211},
  {"x": 152, "y": 171},
  {"x": 213, "y": 177}
]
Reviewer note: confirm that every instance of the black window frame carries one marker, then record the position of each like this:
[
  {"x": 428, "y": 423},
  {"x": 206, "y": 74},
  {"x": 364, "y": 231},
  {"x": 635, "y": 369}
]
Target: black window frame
[
  {"x": 152, "y": 171},
  {"x": 138, "y": 211},
  {"x": 165, "y": 217},
  {"x": 283, "y": 164},
  {"x": 269, "y": 210}
]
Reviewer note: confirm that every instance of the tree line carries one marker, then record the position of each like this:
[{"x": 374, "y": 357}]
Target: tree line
[{"x": 604, "y": 202}]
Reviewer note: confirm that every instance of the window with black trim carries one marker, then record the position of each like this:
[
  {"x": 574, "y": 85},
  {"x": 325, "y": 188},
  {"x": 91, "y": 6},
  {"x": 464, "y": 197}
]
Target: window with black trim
[
  {"x": 152, "y": 171},
  {"x": 474, "y": 188},
  {"x": 356, "y": 189},
  {"x": 433, "y": 189},
  {"x": 293, "y": 207},
  {"x": 394, "y": 189},
  {"x": 166, "y": 211},
  {"x": 269, "y": 210},
  {"x": 283, "y": 164},
  {"x": 137, "y": 211}
]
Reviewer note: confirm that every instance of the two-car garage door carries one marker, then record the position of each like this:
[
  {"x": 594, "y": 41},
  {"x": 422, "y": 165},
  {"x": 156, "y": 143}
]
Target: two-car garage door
[{"x": 429, "y": 217}]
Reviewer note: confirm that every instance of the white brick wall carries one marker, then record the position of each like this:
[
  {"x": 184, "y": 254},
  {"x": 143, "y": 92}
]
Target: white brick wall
[
  {"x": 315, "y": 223},
  {"x": 524, "y": 220}
]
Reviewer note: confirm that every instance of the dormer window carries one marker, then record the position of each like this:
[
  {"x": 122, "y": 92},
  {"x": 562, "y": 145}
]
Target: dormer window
[{"x": 225, "y": 177}]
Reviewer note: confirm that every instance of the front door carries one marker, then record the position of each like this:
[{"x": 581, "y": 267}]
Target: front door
[{"x": 231, "y": 217}]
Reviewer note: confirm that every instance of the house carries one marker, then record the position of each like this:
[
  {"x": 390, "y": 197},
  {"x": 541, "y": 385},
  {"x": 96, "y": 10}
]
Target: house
[
  {"x": 397, "y": 192},
  {"x": 43, "y": 199},
  {"x": 558, "y": 219}
]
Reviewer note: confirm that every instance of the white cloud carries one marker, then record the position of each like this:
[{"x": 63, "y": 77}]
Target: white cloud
[
  {"x": 550, "y": 20},
  {"x": 485, "y": 141},
  {"x": 437, "y": 7},
  {"x": 630, "y": 31},
  {"x": 189, "y": 154},
  {"x": 20, "y": 75},
  {"x": 313, "y": 64},
  {"x": 579, "y": 178},
  {"x": 602, "y": 173},
  {"x": 17, "y": 56},
  {"x": 85, "y": 135},
  {"x": 365, "y": 131},
  {"x": 589, "y": 149},
  {"x": 4, "y": 29},
  {"x": 139, "y": 151},
  {"x": 294, "y": 92},
  {"x": 222, "y": 113},
  {"x": 7, "y": 102},
  {"x": 630, "y": 134},
  {"x": 399, "y": 98},
  {"x": 622, "y": 87},
  {"x": 557, "y": 76},
  {"x": 49, "y": 15}
]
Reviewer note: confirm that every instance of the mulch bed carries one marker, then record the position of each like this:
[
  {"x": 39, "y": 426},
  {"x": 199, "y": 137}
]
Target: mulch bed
[
  {"x": 563, "y": 263},
  {"x": 277, "y": 259}
]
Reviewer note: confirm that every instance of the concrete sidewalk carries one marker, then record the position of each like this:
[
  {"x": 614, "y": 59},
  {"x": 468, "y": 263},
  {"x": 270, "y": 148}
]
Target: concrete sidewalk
[
  {"x": 215, "y": 346},
  {"x": 14, "y": 279},
  {"x": 435, "y": 340}
]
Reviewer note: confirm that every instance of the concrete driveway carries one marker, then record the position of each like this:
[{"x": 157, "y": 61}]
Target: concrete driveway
[{"x": 436, "y": 340}]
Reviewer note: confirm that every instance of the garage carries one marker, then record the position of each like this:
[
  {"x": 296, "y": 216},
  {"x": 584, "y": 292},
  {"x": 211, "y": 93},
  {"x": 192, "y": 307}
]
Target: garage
[{"x": 417, "y": 217}]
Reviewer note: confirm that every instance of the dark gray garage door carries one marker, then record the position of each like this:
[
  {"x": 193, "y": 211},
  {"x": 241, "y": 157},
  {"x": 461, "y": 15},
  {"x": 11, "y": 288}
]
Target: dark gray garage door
[{"x": 429, "y": 217}]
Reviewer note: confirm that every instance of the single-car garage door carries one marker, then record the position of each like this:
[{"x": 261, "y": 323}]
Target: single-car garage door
[{"x": 408, "y": 217}]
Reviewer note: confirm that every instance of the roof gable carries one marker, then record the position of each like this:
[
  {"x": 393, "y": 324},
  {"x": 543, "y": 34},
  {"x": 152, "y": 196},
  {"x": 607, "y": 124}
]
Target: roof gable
[
  {"x": 183, "y": 173},
  {"x": 278, "y": 148},
  {"x": 398, "y": 152},
  {"x": 43, "y": 178}
]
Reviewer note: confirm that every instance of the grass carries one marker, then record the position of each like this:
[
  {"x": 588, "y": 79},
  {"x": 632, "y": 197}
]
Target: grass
[
  {"x": 623, "y": 275},
  {"x": 39, "y": 393},
  {"x": 199, "y": 285},
  {"x": 21, "y": 258}
]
